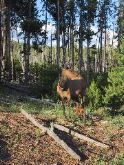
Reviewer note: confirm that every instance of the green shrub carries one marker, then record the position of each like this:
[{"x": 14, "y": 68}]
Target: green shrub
[
  {"x": 101, "y": 81},
  {"x": 17, "y": 71},
  {"x": 42, "y": 77},
  {"x": 54, "y": 91},
  {"x": 94, "y": 96},
  {"x": 114, "y": 92}
]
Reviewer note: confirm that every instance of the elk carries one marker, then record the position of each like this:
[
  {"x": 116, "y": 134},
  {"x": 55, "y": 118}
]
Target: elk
[
  {"x": 75, "y": 83},
  {"x": 63, "y": 94},
  {"x": 72, "y": 86}
]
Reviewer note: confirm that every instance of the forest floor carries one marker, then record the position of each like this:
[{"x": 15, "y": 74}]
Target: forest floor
[{"x": 21, "y": 143}]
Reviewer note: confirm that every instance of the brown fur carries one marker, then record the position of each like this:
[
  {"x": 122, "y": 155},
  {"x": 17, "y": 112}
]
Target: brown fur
[
  {"x": 74, "y": 82},
  {"x": 73, "y": 87},
  {"x": 72, "y": 75},
  {"x": 63, "y": 94},
  {"x": 79, "y": 111}
]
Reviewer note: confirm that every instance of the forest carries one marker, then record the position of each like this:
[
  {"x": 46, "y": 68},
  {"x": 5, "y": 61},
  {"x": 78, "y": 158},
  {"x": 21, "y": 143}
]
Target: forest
[{"x": 40, "y": 122}]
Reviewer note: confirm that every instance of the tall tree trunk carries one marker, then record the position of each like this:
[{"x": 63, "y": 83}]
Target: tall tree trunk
[
  {"x": 1, "y": 49},
  {"x": 6, "y": 69},
  {"x": 88, "y": 61},
  {"x": 80, "y": 54},
  {"x": 27, "y": 59},
  {"x": 98, "y": 60},
  {"x": 81, "y": 35},
  {"x": 96, "y": 66},
  {"x": 58, "y": 34},
  {"x": 101, "y": 47},
  {"x": 12, "y": 59},
  {"x": 46, "y": 24},
  {"x": 27, "y": 49},
  {"x": 104, "y": 55},
  {"x": 25, "y": 56},
  {"x": 120, "y": 23},
  {"x": 51, "y": 48},
  {"x": 64, "y": 47},
  {"x": 64, "y": 33},
  {"x": 8, "y": 44},
  {"x": 68, "y": 43},
  {"x": 3, "y": 9},
  {"x": 72, "y": 46}
]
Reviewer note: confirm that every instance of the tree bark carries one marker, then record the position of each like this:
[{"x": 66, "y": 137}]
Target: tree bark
[
  {"x": 1, "y": 49},
  {"x": 3, "y": 37},
  {"x": 8, "y": 44},
  {"x": 58, "y": 34},
  {"x": 64, "y": 48},
  {"x": 80, "y": 136},
  {"x": 104, "y": 55},
  {"x": 81, "y": 38}
]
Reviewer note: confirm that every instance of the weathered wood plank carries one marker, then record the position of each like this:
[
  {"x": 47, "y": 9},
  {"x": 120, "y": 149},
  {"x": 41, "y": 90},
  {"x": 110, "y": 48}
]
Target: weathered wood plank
[
  {"x": 52, "y": 134},
  {"x": 80, "y": 136}
]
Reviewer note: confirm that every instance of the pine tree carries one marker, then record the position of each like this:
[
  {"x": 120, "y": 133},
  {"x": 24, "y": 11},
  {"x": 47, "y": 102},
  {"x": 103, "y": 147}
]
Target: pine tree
[{"x": 120, "y": 24}]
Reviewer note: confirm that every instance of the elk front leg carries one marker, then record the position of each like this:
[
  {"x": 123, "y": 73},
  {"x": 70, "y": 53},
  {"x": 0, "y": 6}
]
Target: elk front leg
[{"x": 63, "y": 107}]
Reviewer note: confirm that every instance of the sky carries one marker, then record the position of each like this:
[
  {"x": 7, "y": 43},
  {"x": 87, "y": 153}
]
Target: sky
[{"x": 51, "y": 27}]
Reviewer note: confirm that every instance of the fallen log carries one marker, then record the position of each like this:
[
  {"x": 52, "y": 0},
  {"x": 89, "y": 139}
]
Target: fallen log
[
  {"x": 52, "y": 134},
  {"x": 80, "y": 136},
  {"x": 29, "y": 117}
]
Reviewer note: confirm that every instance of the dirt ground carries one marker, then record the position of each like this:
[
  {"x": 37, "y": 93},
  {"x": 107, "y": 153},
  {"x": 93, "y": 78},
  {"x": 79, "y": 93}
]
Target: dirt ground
[{"x": 23, "y": 144}]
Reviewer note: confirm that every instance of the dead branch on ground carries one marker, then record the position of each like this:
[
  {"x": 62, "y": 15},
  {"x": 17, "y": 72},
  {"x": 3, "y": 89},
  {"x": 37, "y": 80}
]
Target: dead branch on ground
[
  {"x": 52, "y": 134},
  {"x": 80, "y": 136}
]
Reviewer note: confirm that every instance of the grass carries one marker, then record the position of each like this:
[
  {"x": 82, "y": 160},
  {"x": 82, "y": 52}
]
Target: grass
[
  {"x": 57, "y": 112},
  {"x": 117, "y": 160}
]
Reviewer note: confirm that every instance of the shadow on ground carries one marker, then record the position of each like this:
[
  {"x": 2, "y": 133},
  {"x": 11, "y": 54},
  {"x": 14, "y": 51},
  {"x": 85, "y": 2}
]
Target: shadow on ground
[{"x": 4, "y": 153}]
